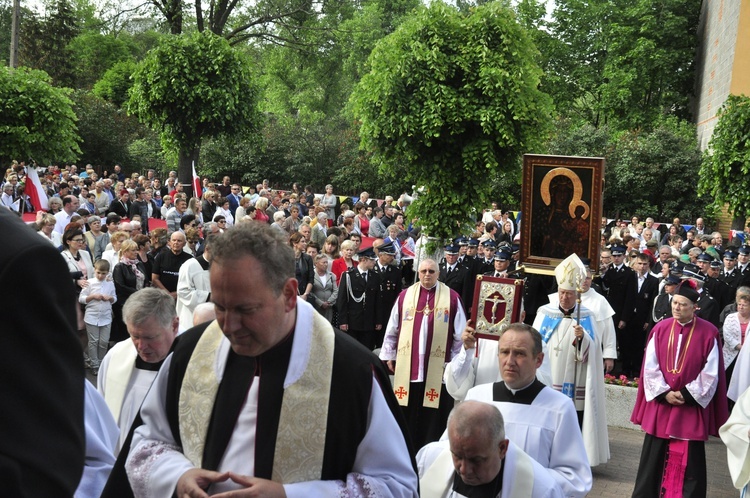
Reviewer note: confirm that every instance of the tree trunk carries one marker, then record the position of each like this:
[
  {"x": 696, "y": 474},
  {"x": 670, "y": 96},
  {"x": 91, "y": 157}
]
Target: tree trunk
[
  {"x": 738, "y": 223},
  {"x": 185, "y": 162}
]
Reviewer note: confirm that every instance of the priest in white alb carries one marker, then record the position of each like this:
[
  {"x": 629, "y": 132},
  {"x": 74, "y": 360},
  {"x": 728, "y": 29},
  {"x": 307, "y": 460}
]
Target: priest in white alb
[
  {"x": 575, "y": 356},
  {"x": 538, "y": 419}
]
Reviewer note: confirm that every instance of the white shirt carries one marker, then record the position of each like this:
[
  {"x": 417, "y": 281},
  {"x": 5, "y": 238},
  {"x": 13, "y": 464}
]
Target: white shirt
[{"x": 98, "y": 311}]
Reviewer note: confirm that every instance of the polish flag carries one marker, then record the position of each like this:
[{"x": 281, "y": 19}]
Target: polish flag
[
  {"x": 35, "y": 191},
  {"x": 197, "y": 188}
]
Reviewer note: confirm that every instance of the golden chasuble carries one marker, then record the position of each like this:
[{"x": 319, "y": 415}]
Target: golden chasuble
[
  {"x": 300, "y": 441},
  {"x": 409, "y": 338}
]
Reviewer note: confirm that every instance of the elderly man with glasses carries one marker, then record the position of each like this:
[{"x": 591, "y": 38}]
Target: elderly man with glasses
[{"x": 423, "y": 334}]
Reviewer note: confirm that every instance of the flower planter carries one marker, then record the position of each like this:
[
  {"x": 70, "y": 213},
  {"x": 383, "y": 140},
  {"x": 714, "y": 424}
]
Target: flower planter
[{"x": 619, "y": 404}]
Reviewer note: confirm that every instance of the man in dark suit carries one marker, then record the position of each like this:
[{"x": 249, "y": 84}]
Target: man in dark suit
[
  {"x": 358, "y": 300},
  {"x": 234, "y": 198},
  {"x": 634, "y": 339},
  {"x": 619, "y": 283},
  {"x": 486, "y": 263},
  {"x": 456, "y": 276},
  {"x": 743, "y": 264},
  {"x": 730, "y": 275},
  {"x": 390, "y": 286},
  {"x": 663, "y": 302},
  {"x": 140, "y": 207},
  {"x": 706, "y": 307},
  {"x": 43, "y": 445}
]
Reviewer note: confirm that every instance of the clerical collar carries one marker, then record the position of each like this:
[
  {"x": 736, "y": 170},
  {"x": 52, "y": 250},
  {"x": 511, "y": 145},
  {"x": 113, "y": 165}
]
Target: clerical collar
[
  {"x": 490, "y": 490},
  {"x": 144, "y": 365},
  {"x": 567, "y": 313},
  {"x": 428, "y": 288},
  {"x": 684, "y": 324},
  {"x": 501, "y": 392}
]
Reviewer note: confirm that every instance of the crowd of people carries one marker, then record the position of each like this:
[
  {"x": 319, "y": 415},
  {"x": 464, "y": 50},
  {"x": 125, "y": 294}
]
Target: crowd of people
[{"x": 213, "y": 326}]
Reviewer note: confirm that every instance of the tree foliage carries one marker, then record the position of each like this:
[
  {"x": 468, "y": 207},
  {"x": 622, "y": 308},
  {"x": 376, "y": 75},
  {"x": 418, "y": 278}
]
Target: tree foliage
[
  {"x": 648, "y": 173},
  {"x": 623, "y": 63},
  {"x": 36, "y": 118},
  {"x": 725, "y": 172},
  {"x": 116, "y": 82},
  {"x": 44, "y": 42},
  {"x": 194, "y": 87},
  {"x": 92, "y": 54},
  {"x": 450, "y": 100},
  {"x": 105, "y": 130}
]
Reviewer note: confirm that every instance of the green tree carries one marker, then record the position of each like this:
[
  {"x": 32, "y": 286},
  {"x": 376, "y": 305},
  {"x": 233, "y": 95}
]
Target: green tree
[
  {"x": 116, "y": 83},
  {"x": 648, "y": 173},
  {"x": 623, "y": 63},
  {"x": 191, "y": 88},
  {"x": 92, "y": 54},
  {"x": 44, "y": 42},
  {"x": 725, "y": 171},
  {"x": 105, "y": 130},
  {"x": 451, "y": 100},
  {"x": 36, "y": 118}
]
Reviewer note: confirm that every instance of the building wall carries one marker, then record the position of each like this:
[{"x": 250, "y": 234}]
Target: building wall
[{"x": 723, "y": 60}]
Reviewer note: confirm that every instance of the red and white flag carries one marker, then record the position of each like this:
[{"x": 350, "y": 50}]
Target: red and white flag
[
  {"x": 34, "y": 190},
  {"x": 197, "y": 188}
]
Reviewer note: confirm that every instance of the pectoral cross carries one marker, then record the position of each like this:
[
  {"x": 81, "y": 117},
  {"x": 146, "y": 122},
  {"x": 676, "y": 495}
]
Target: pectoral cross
[{"x": 557, "y": 349}]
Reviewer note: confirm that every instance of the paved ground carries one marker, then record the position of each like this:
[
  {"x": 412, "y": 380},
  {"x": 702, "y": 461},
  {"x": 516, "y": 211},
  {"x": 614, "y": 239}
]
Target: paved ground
[{"x": 616, "y": 478}]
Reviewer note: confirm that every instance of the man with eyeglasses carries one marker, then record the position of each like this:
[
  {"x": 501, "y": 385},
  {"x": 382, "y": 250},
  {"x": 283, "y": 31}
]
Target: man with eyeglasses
[
  {"x": 681, "y": 400},
  {"x": 234, "y": 198},
  {"x": 423, "y": 334}
]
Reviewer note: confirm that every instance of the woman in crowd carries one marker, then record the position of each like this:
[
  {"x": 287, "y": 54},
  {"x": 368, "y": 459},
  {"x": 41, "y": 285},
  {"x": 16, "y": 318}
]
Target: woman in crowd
[
  {"x": 331, "y": 249},
  {"x": 165, "y": 206},
  {"x": 668, "y": 235},
  {"x": 209, "y": 205},
  {"x": 261, "y": 204},
  {"x": 129, "y": 276},
  {"x": 506, "y": 233},
  {"x": 222, "y": 208},
  {"x": 303, "y": 264},
  {"x": 144, "y": 252},
  {"x": 292, "y": 223},
  {"x": 196, "y": 209},
  {"x": 113, "y": 255},
  {"x": 242, "y": 209},
  {"x": 734, "y": 332},
  {"x": 361, "y": 221},
  {"x": 159, "y": 239},
  {"x": 79, "y": 263},
  {"x": 46, "y": 226},
  {"x": 325, "y": 289},
  {"x": 54, "y": 205},
  {"x": 329, "y": 202},
  {"x": 192, "y": 237},
  {"x": 346, "y": 261},
  {"x": 96, "y": 240}
]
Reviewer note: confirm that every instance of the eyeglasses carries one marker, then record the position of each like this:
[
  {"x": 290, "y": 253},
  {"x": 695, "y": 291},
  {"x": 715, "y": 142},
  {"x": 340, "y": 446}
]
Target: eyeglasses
[
  {"x": 426, "y": 271},
  {"x": 222, "y": 221},
  {"x": 76, "y": 240}
]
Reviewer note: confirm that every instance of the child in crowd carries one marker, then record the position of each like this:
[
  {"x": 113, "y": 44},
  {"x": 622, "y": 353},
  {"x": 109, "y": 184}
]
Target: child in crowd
[{"x": 98, "y": 297}]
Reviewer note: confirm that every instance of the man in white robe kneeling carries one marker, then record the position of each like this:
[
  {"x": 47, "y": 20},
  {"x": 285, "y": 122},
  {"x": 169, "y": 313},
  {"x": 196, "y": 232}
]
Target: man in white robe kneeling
[{"x": 477, "y": 460}]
